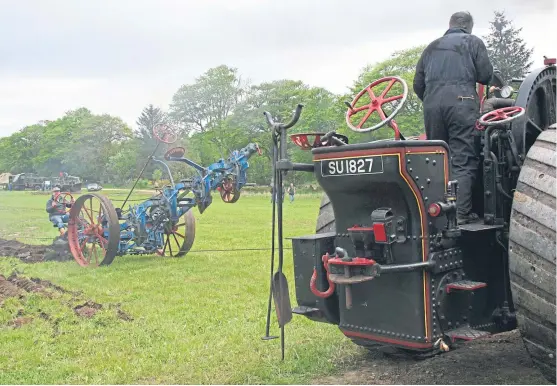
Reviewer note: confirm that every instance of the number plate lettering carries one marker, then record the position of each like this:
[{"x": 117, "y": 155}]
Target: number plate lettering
[{"x": 352, "y": 166}]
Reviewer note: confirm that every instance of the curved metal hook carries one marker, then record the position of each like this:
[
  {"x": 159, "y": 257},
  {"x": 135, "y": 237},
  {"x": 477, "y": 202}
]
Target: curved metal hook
[{"x": 295, "y": 118}]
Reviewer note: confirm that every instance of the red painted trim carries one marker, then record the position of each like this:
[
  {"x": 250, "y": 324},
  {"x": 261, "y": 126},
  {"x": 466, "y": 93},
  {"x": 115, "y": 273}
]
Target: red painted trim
[
  {"x": 425, "y": 230},
  {"x": 357, "y": 228},
  {"x": 389, "y": 151},
  {"x": 386, "y": 340},
  {"x": 355, "y": 261},
  {"x": 379, "y": 232},
  {"x": 448, "y": 287}
]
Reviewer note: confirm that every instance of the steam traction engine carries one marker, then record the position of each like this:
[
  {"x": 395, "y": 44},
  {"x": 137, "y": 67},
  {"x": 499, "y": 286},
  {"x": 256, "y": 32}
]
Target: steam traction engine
[{"x": 390, "y": 265}]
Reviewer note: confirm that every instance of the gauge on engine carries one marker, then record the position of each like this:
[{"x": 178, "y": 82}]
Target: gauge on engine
[{"x": 506, "y": 91}]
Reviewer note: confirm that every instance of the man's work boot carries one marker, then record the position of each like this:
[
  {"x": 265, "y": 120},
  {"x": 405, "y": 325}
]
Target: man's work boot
[
  {"x": 62, "y": 231},
  {"x": 467, "y": 218}
]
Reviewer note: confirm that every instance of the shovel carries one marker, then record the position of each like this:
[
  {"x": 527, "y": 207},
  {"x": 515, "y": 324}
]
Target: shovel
[
  {"x": 280, "y": 284},
  {"x": 281, "y": 296}
]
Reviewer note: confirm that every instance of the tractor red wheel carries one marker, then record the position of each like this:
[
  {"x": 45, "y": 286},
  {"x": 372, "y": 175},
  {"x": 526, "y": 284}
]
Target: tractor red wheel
[
  {"x": 93, "y": 230},
  {"x": 500, "y": 116},
  {"x": 376, "y": 104},
  {"x": 229, "y": 192},
  {"x": 165, "y": 133},
  {"x": 178, "y": 239}
]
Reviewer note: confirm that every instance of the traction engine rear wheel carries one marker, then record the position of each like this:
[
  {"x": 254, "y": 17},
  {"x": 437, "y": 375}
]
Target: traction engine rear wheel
[
  {"x": 326, "y": 218},
  {"x": 532, "y": 250},
  {"x": 93, "y": 230}
]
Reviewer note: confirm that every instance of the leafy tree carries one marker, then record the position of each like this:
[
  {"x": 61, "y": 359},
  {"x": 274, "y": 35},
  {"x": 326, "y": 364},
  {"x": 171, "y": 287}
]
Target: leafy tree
[
  {"x": 507, "y": 50},
  {"x": 203, "y": 104},
  {"x": 157, "y": 174},
  {"x": 218, "y": 113},
  {"x": 122, "y": 166},
  {"x": 149, "y": 118},
  {"x": 279, "y": 98},
  {"x": 99, "y": 138}
]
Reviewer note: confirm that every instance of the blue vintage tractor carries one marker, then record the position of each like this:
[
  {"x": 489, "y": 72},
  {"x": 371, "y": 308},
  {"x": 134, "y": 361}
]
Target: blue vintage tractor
[{"x": 163, "y": 224}]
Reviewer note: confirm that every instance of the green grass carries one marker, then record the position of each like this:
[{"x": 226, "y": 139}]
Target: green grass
[{"x": 197, "y": 319}]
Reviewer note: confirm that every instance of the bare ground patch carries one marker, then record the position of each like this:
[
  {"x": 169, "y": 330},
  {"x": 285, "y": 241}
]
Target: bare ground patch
[
  {"x": 18, "y": 286},
  {"x": 499, "y": 359}
]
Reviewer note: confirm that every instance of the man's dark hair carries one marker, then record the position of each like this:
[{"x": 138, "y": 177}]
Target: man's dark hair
[{"x": 462, "y": 20}]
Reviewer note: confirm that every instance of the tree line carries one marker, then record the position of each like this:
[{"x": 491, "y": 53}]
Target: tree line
[{"x": 220, "y": 112}]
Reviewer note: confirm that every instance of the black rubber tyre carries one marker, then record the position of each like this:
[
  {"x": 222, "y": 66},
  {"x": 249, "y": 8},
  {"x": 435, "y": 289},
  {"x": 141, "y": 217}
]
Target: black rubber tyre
[
  {"x": 326, "y": 218},
  {"x": 532, "y": 250}
]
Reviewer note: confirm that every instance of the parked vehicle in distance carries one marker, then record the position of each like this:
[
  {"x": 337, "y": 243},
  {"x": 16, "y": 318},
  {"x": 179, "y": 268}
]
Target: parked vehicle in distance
[
  {"x": 24, "y": 181},
  {"x": 93, "y": 187}
]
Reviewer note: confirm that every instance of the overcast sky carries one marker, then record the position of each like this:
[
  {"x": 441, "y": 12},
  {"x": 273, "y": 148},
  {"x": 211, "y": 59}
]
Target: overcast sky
[{"x": 115, "y": 56}]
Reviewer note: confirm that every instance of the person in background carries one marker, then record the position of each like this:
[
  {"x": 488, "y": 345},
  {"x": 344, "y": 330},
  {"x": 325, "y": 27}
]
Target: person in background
[
  {"x": 57, "y": 210},
  {"x": 291, "y": 192}
]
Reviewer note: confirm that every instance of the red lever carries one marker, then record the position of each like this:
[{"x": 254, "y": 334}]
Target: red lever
[{"x": 313, "y": 280}]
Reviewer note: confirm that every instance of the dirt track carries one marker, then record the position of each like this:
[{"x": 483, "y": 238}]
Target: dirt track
[{"x": 500, "y": 359}]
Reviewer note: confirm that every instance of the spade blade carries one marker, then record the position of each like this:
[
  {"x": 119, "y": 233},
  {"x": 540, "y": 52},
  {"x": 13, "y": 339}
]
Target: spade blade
[{"x": 281, "y": 297}]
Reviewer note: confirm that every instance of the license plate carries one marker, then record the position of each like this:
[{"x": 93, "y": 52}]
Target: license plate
[{"x": 352, "y": 166}]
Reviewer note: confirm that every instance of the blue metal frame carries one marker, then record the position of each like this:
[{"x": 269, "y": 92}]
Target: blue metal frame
[{"x": 138, "y": 222}]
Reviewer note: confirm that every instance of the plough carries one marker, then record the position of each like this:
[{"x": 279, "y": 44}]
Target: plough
[{"x": 162, "y": 224}]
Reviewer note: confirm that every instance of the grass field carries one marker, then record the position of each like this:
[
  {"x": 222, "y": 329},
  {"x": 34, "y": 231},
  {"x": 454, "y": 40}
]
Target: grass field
[{"x": 196, "y": 319}]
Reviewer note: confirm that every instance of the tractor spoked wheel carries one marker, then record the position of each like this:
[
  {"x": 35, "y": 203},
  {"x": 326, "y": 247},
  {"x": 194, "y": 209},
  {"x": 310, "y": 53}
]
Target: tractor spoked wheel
[
  {"x": 93, "y": 230},
  {"x": 178, "y": 239},
  {"x": 229, "y": 192}
]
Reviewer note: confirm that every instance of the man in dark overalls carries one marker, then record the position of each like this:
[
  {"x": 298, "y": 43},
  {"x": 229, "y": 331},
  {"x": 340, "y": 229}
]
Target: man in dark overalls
[{"x": 445, "y": 80}]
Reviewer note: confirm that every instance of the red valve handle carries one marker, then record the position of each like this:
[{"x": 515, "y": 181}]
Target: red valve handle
[
  {"x": 502, "y": 115},
  {"x": 312, "y": 282},
  {"x": 165, "y": 133},
  {"x": 376, "y": 104}
]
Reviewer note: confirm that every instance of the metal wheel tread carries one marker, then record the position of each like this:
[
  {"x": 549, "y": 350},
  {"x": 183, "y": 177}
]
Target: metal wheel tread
[
  {"x": 326, "y": 218},
  {"x": 532, "y": 249}
]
